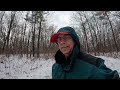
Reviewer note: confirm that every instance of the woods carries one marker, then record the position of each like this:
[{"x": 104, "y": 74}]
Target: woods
[
  {"x": 99, "y": 31},
  {"x": 24, "y": 32},
  {"x": 28, "y": 32}
]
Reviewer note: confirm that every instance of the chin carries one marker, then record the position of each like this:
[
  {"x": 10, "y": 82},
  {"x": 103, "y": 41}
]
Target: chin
[{"x": 66, "y": 52}]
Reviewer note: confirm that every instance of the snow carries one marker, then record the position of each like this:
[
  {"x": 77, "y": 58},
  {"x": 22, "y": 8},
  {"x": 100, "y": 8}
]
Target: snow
[
  {"x": 15, "y": 67},
  {"x": 23, "y": 68}
]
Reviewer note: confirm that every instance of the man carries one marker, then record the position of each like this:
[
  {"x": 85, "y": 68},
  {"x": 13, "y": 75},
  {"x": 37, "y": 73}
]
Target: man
[{"x": 71, "y": 63}]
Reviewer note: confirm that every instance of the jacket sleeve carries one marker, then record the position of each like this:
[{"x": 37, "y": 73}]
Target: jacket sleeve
[{"x": 103, "y": 72}]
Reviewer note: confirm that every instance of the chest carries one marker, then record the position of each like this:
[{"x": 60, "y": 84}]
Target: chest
[{"x": 79, "y": 70}]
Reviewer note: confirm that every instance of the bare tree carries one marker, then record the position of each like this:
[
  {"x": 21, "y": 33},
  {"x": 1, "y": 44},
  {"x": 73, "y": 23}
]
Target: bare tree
[
  {"x": 10, "y": 27},
  {"x": 105, "y": 13},
  {"x": 2, "y": 34}
]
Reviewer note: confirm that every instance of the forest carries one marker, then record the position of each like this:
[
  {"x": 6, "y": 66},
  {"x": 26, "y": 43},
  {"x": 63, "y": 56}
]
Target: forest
[{"x": 28, "y": 33}]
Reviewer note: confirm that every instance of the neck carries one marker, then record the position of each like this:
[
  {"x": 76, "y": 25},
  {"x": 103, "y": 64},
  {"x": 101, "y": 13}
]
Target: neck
[{"x": 66, "y": 56}]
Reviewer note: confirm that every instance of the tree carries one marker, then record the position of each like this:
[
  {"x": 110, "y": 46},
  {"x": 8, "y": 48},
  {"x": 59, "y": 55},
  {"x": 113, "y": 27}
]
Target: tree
[{"x": 11, "y": 25}]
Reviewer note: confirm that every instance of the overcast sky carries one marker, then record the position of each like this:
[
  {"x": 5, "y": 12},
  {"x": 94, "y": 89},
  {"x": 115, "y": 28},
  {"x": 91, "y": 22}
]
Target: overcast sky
[{"x": 60, "y": 18}]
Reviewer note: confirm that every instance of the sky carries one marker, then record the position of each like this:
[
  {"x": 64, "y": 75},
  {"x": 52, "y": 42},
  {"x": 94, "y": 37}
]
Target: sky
[
  {"x": 15, "y": 67},
  {"x": 60, "y": 18}
]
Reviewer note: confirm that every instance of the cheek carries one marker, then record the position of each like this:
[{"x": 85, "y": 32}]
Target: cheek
[{"x": 72, "y": 45}]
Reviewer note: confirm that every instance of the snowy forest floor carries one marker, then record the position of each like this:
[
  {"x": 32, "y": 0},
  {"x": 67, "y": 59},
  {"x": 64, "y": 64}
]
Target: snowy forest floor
[{"x": 16, "y": 67}]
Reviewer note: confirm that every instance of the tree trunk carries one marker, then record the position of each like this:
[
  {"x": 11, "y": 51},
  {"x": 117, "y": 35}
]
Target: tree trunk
[{"x": 112, "y": 31}]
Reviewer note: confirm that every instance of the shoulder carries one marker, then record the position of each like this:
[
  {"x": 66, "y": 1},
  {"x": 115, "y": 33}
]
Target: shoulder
[
  {"x": 103, "y": 72},
  {"x": 91, "y": 59},
  {"x": 55, "y": 65},
  {"x": 56, "y": 71}
]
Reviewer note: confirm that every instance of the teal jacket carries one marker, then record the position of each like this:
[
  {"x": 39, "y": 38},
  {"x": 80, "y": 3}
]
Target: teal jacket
[{"x": 80, "y": 65}]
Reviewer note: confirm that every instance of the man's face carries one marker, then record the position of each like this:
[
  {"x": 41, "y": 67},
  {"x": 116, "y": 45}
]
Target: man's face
[{"x": 66, "y": 44}]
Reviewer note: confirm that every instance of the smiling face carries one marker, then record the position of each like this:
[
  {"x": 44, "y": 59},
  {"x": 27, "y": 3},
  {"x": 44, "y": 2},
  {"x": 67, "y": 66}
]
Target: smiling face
[{"x": 66, "y": 44}]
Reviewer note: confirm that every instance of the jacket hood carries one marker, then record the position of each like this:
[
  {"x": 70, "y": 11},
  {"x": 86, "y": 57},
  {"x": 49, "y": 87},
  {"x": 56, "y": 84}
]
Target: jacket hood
[
  {"x": 72, "y": 32},
  {"x": 59, "y": 57}
]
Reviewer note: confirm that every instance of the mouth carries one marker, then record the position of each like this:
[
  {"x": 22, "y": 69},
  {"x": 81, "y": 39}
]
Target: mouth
[{"x": 65, "y": 47}]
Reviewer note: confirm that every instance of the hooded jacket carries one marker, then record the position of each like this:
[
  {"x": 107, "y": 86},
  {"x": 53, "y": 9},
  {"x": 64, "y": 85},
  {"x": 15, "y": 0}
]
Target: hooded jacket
[{"x": 80, "y": 65}]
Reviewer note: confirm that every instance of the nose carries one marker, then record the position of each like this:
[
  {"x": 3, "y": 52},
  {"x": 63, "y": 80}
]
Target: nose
[{"x": 61, "y": 42}]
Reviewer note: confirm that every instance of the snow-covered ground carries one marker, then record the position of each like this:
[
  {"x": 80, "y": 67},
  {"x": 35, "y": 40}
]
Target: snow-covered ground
[
  {"x": 23, "y": 68},
  {"x": 15, "y": 67}
]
